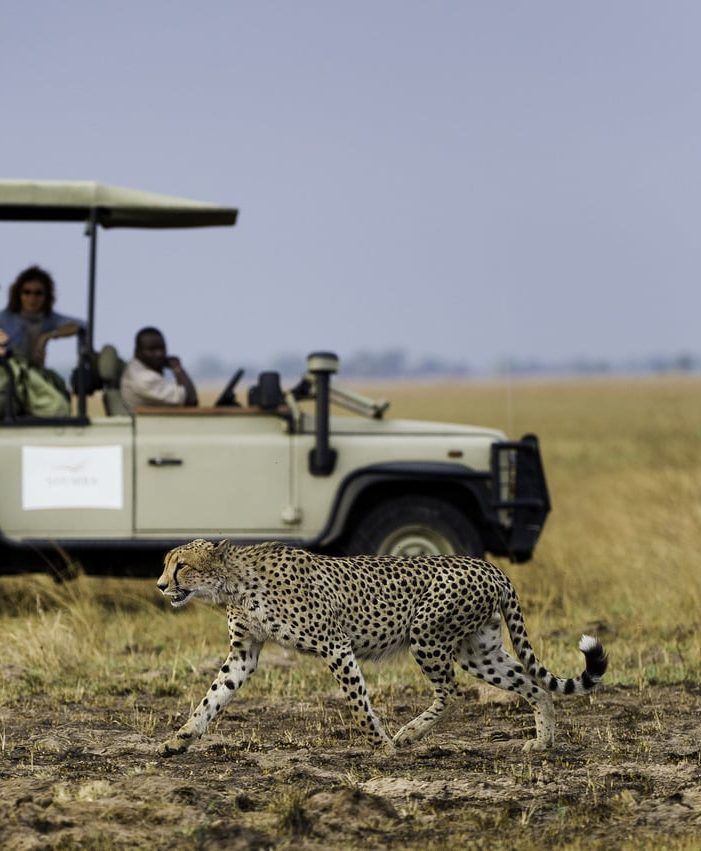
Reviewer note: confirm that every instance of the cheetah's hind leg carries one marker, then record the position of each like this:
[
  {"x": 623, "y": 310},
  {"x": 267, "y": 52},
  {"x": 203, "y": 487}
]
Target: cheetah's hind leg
[
  {"x": 484, "y": 656},
  {"x": 435, "y": 658}
]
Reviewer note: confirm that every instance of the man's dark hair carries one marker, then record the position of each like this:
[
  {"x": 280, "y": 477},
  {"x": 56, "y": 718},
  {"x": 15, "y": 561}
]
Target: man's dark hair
[
  {"x": 32, "y": 273},
  {"x": 143, "y": 332}
]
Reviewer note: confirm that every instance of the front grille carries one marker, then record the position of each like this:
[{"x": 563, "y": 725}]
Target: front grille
[{"x": 520, "y": 492}]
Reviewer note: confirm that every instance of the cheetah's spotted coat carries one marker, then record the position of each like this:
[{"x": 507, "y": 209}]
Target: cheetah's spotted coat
[{"x": 445, "y": 609}]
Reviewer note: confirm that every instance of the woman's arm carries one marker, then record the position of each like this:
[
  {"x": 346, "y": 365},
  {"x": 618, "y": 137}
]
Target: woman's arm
[{"x": 67, "y": 329}]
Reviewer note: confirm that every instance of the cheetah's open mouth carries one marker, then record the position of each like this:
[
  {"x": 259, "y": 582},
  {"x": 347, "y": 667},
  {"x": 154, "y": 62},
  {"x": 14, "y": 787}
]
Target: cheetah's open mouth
[{"x": 179, "y": 597}]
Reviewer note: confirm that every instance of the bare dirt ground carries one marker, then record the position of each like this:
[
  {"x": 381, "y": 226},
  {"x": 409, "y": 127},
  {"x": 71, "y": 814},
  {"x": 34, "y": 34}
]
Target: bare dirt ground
[{"x": 626, "y": 772}]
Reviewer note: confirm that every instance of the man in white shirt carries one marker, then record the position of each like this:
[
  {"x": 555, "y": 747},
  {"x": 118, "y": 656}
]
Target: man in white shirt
[{"x": 143, "y": 381}]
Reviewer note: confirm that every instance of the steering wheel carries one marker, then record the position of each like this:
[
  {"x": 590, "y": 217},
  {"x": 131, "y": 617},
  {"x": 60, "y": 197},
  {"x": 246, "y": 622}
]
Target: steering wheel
[{"x": 227, "y": 398}]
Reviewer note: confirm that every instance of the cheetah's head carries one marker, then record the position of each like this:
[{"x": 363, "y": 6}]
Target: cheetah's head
[{"x": 192, "y": 571}]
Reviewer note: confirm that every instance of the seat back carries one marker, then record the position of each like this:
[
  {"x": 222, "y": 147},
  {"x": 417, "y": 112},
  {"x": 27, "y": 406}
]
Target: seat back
[
  {"x": 267, "y": 393},
  {"x": 110, "y": 368}
]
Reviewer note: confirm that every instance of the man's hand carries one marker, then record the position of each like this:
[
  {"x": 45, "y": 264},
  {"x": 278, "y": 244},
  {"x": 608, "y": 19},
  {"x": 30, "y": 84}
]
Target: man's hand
[{"x": 182, "y": 378}]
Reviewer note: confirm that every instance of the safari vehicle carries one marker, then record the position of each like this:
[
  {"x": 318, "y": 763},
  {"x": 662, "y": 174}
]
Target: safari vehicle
[{"x": 276, "y": 465}]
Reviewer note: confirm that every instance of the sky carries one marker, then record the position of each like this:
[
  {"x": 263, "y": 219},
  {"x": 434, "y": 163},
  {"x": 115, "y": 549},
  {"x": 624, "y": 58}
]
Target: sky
[{"x": 472, "y": 181}]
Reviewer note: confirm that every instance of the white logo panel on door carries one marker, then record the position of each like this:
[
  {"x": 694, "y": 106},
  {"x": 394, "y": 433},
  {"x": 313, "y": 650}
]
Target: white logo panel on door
[{"x": 59, "y": 477}]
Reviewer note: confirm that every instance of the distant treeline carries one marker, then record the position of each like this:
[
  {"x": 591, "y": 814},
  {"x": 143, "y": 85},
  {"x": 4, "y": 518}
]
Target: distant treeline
[{"x": 395, "y": 363}]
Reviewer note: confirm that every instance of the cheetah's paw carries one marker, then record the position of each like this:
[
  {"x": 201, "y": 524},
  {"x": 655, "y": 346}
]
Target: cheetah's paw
[
  {"x": 536, "y": 745},
  {"x": 173, "y": 747}
]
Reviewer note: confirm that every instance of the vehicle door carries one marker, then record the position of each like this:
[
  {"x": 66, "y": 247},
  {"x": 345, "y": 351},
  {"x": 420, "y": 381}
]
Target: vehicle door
[
  {"x": 66, "y": 482},
  {"x": 211, "y": 472}
]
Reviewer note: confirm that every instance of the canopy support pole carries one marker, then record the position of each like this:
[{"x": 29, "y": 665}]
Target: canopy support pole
[
  {"x": 85, "y": 338},
  {"x": 91, "y": 232}
]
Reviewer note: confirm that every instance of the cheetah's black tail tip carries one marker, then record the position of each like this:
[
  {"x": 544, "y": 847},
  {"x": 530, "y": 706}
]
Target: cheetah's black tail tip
[{"x": 597, "y": 660}]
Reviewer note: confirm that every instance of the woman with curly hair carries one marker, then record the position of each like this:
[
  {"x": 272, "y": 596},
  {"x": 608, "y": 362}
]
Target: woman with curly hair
[{"x": 29, "y": 321}]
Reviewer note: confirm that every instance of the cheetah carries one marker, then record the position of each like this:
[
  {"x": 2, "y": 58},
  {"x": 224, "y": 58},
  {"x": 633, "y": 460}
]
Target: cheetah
[{"x": 444, "y": 609}]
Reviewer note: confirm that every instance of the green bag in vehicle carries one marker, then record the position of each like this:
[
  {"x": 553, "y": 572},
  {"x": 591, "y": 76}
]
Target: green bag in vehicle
[{"x": 38, "y": 392}]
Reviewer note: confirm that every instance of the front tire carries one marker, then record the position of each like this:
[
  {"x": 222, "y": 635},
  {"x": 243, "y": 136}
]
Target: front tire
[{"x": 415, "y": 526}]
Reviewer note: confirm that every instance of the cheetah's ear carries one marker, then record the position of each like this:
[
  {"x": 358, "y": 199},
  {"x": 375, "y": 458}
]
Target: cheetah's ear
[{"x": 221, "y": 548}]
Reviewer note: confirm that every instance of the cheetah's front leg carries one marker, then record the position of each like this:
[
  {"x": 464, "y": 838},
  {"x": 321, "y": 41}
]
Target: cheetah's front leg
[{"x": 238, "y": 667}]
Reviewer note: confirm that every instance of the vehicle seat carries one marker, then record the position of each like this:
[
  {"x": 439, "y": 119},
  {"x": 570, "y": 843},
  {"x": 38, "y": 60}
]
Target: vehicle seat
[
  {"x": 110, "y": 367},
  {"x": 267, "y": 393}
]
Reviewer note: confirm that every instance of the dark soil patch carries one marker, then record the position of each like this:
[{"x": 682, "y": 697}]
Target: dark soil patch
[{"x": 626, "y": 766}]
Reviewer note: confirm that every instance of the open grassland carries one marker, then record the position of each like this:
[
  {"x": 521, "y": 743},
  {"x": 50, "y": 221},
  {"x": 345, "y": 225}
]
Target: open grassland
[{"x": 95, "y": 672}]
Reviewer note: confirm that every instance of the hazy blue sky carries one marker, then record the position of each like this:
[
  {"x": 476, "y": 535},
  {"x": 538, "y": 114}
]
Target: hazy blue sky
[{"x": 468, "y": 180}]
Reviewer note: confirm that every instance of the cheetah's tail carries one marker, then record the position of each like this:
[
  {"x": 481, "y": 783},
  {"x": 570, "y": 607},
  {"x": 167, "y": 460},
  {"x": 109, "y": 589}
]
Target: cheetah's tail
[{"x": 594, "y": 653}]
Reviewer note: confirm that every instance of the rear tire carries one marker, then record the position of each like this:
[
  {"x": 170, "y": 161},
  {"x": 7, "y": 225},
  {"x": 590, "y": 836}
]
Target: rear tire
[{"x": 415, "y": 526}]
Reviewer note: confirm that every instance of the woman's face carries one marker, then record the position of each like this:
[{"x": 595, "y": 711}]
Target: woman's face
[{"x": 32, "y": 296}]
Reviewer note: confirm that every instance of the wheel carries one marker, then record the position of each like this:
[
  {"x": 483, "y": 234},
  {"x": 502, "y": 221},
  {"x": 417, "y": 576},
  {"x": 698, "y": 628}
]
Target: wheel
[
  {"x": 413, "y": 526},
  {"x": 227, "y": 398}
]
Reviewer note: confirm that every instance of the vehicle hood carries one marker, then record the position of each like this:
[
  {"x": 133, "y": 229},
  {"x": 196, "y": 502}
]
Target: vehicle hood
[{"x": 359, "y": 425}]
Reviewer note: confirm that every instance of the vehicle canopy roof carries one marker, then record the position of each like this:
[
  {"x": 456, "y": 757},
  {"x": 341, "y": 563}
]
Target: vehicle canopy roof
[
  {"x": 108, "y": 206},
  {"x": 97, "y": 204}
]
